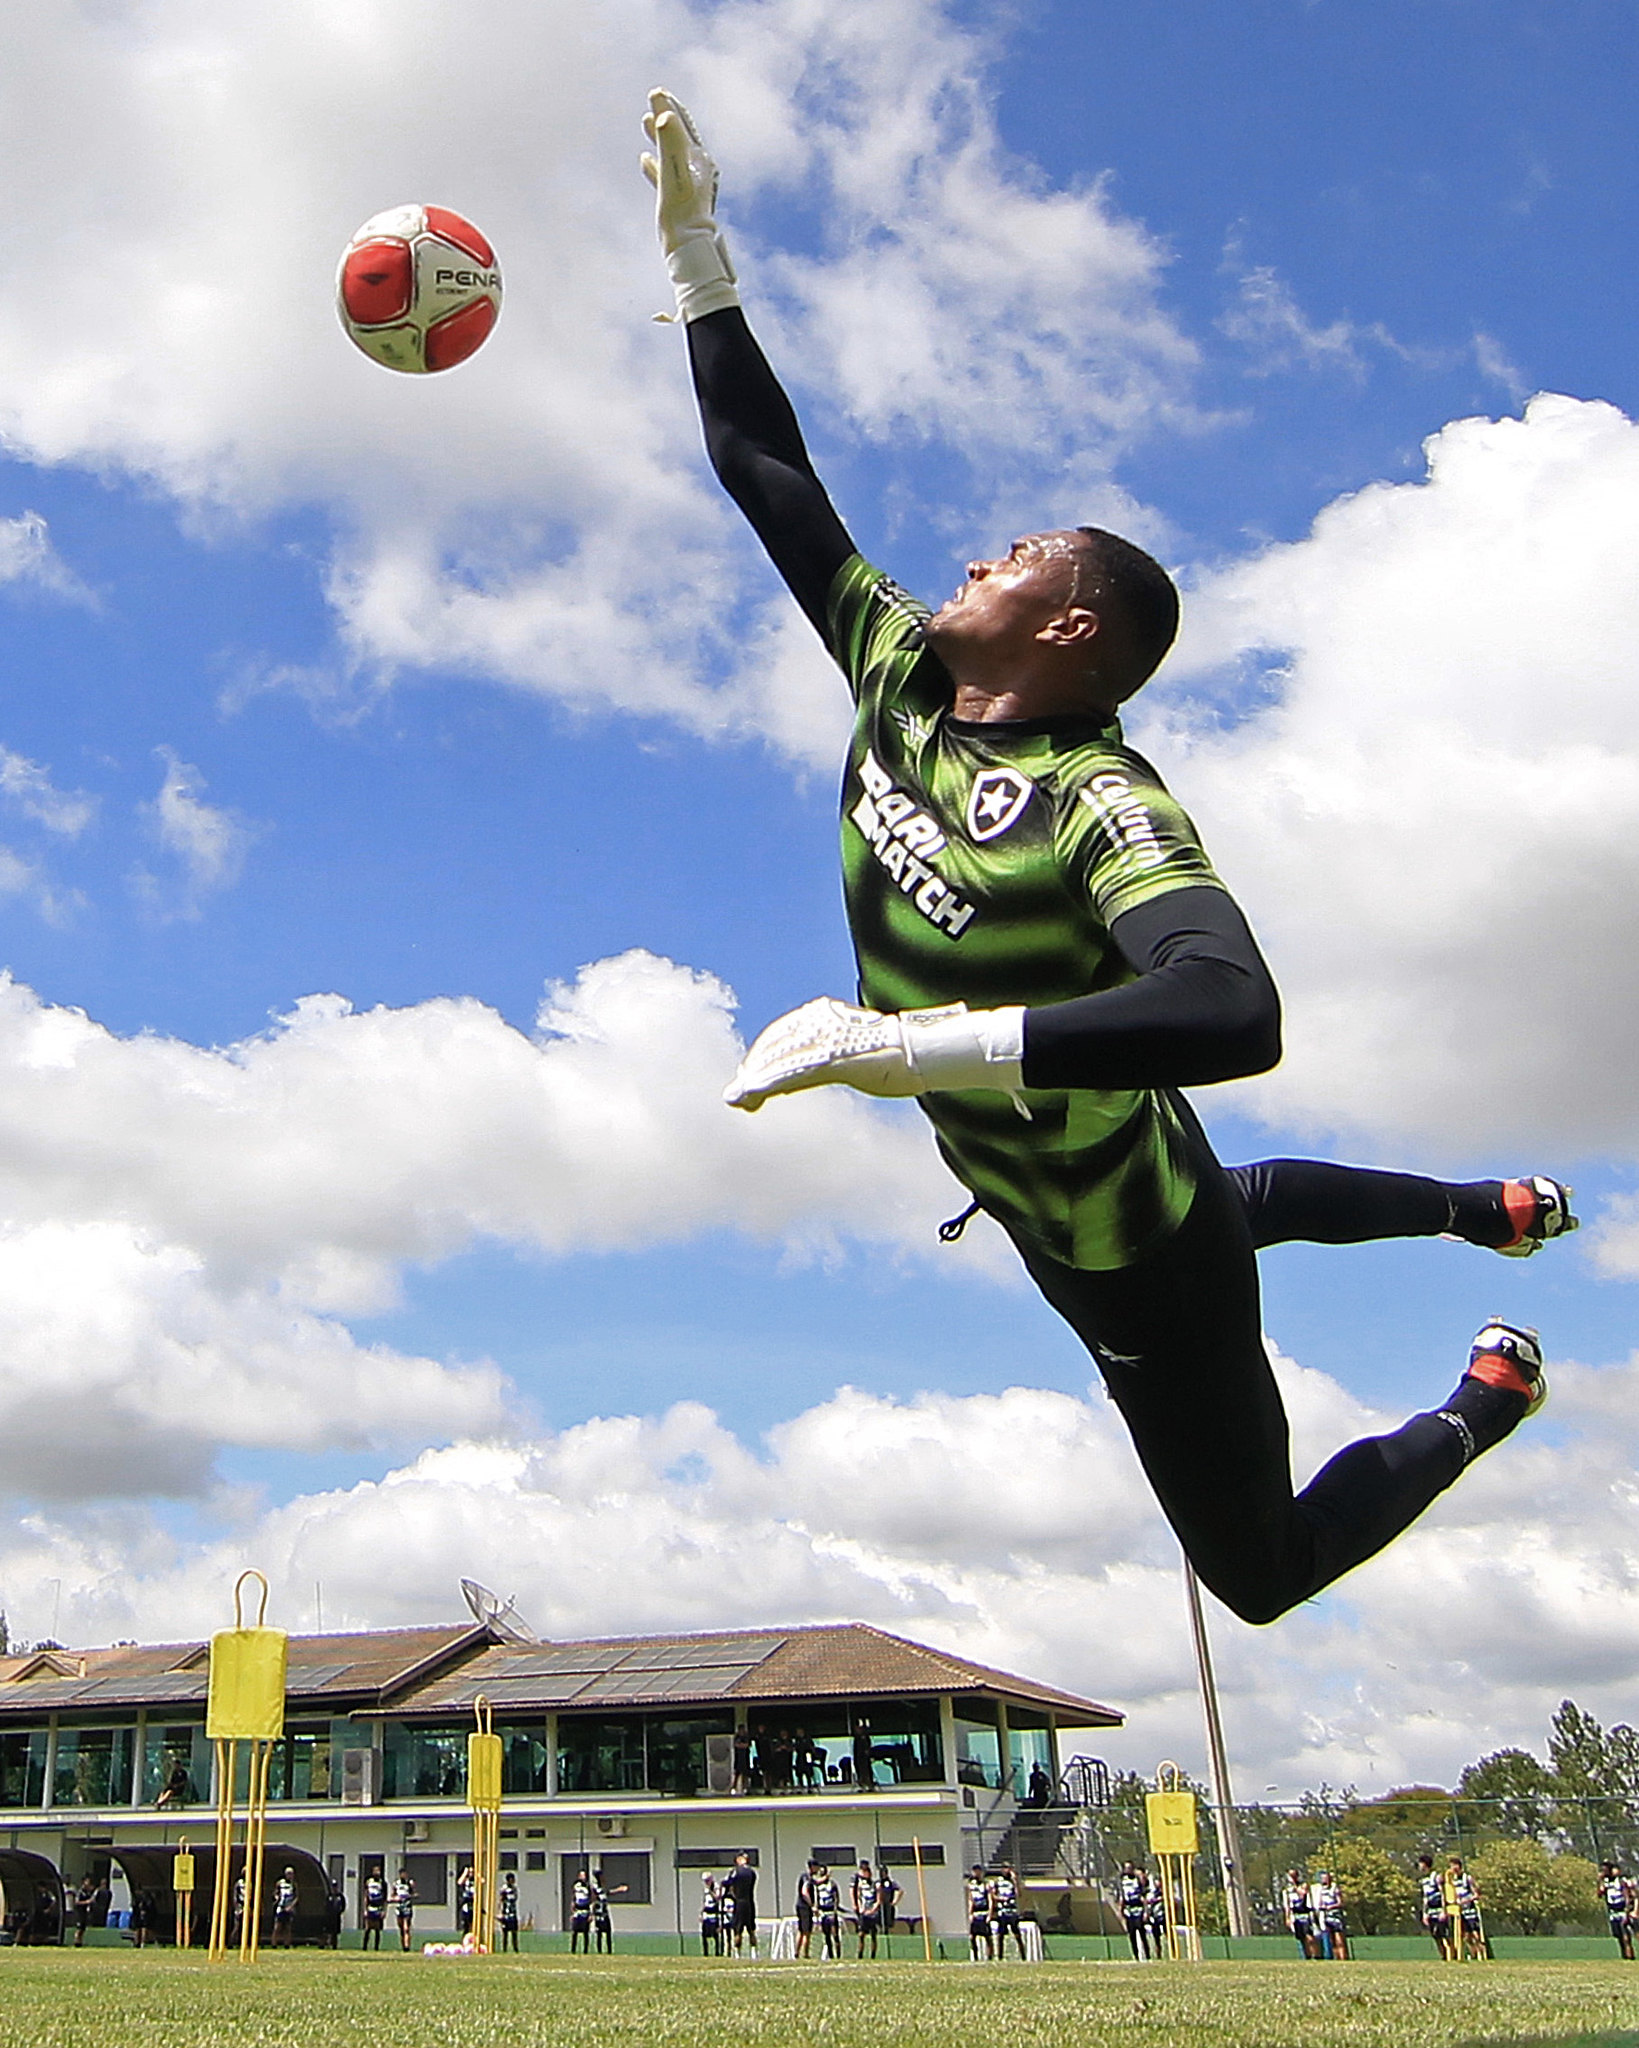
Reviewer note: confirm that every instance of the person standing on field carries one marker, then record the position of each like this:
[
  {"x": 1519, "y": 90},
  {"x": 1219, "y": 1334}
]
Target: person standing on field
[
  {"x": 1432, "y": 1909},
  {"x": 404, "y": 1907},
  {"x": 740, "y": 1890},
  {"x": 1133, "y": 1891},
  {"x": 1618, "y": 1893},
  {"x": 979, "y": 1915}
]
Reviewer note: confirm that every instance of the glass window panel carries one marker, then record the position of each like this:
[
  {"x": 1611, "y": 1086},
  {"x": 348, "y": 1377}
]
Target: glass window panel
[
  {"x": 176, "y": 1764},
  {"x": 898, "y": 1739},
  {"x": 22, "y": 1767},
  {"x": 93, "y": 1767},
  {"x": 425, "y": 1763},
  {"x": 524, "y": 1756},
  {"x": 677, "y": 1749},
  {"x": 597, "y": 1753},
  {"x": 306, "y": 1761},
  {"x": 1031, "y": 1750}
]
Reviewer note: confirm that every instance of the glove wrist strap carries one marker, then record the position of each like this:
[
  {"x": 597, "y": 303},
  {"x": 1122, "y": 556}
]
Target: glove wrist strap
[
  {"x": 961, "y": 1048},
  {"x": 701, "y": 273}
]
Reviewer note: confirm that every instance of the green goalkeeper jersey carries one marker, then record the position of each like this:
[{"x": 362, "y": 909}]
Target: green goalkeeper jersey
[{"x": 985, "y": 864}]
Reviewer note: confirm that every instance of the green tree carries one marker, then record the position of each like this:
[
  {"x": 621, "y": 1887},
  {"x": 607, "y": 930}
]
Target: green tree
[
  {"x": 1596, "y": 1774},
  {"x": 1519, "y": 1881},
  {"x": 1376, "y": 1891},
  {"x": 1510, "y": 1793}
]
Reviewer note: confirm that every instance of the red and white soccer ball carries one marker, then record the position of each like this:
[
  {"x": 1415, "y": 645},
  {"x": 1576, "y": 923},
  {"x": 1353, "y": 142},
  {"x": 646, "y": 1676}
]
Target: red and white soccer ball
[{"x": 419, "y": 288}]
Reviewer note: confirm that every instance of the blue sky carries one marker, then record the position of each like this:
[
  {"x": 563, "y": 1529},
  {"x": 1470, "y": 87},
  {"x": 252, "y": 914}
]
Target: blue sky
[{"x": 429, "y": 694}]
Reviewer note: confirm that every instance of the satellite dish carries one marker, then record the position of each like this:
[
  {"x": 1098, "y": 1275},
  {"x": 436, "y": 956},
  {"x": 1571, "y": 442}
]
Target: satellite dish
[{"x": 503, "y": 1617}]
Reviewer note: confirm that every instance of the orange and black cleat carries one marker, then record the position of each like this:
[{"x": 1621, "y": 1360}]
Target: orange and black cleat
[
  {"x": 1509, "y": 1355},
  {"x": 1539, "y": 1209}
]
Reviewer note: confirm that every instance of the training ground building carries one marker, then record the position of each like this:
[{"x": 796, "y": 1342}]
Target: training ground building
[{"x": 619, "y": 1756}]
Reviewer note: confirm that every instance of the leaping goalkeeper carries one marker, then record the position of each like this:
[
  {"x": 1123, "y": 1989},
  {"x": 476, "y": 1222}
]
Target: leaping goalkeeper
[{"x": 1046, "y": 958}]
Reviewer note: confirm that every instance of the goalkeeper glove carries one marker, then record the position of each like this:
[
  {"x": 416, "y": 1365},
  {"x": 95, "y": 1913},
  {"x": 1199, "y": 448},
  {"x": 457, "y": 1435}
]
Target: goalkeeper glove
[
  {"x": 882, "y": 1054},
  {"x": 685, "y": 182}
]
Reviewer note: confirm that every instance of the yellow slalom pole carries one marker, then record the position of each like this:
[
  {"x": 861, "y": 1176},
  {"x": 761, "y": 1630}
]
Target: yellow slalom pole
[
  {"x": 245, "y": 1704},
  {"x": 922, "y": 1901},
  {"x": 484, "y": 1760},
  {"x": 182, "y": 1879},
  {"x": 1174, "y": 1835}
]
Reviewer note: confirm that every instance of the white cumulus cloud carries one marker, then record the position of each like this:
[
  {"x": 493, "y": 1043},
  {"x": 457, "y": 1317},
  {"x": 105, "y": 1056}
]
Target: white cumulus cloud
[
  {"x": 1431, "y": 808},
  {"x": 181, "y": 1228},
  {"x": 541, "y": 515},
  {"x": 1013, "y": 1526}
]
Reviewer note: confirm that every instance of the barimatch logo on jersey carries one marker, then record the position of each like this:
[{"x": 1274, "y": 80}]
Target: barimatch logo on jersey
[
  {"x": 904, "y": 839},
  {"x": 996, "y": 802},
  {"x": 1127, "y": 816}
]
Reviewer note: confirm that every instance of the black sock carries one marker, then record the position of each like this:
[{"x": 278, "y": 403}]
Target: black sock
[
  {"x": 1477, "y": 1212},
  {"x": 1491, "y": 1413}
]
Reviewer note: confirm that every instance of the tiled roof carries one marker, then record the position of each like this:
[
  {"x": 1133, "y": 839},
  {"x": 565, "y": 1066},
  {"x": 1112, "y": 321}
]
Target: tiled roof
[
  {"x": 846, "y": 1659},
  {"x": 417, "y": 1671},
  {"x": 356, "y": 1668}
]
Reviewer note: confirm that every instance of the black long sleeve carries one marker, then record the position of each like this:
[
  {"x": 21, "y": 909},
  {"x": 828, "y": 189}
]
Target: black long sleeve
[
  {"x": 756, "y": 448},
  {"x": 1204, "y": 1007}
]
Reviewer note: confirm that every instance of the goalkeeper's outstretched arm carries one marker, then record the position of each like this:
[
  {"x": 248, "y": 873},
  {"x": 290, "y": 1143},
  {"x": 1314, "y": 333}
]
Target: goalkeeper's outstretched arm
[{"x": 752, "y": 436}]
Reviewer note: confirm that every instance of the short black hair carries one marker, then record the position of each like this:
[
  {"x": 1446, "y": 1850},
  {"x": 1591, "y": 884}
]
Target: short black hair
[{"x": 1146, "y": 598}]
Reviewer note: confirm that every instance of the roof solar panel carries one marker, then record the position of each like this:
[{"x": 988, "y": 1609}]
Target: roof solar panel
[
  {"x": 624, "y": 1684},
  {"x": 314, "y": 1677},
  {"x": 568, "y": 1657},
  {"x": 703, "y": 1656}
]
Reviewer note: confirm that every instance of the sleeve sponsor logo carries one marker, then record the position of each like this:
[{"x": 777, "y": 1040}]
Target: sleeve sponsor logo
[
  {"x": 905, "y": 838},
  {"x": 1127, "y": 816},
  {"x": 996, "y": 802}
]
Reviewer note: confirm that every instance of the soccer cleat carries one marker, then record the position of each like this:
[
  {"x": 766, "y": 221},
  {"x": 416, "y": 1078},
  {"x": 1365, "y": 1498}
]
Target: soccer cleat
[
  {"x": 1510, "y": 1355},
  {"x": 1538, "y": 1208}
]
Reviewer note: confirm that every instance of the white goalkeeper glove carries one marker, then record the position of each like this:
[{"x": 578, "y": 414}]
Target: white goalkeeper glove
[
  {"x": 685, "y": 183},
  {"x": 880, "y": 1053}
]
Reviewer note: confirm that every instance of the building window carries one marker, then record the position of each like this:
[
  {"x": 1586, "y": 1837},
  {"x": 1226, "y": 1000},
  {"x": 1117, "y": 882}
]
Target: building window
[
  {"x": 534, "y": 1859},
  {"x": 425, "y": 1763},
  {"x": 902, "y": 1855},
  {"x": 810, "y": 1744},
  {"x": 523, "y": 1756},
  {"x": 625, "y": 1875},
  {"x": 176, "y": 1764},
  {"x": 720, "y": 1859},
  {"x": 677, "y": 1749},
  {"x": 1032, "y": 1754},
  {"x": 93, "y": 1767},
  {"x": 306, "y": 1761},
  {"x": 599, "y": 1754},
  {"x": 431, "y": 1877},
  {"x": 23, "y": 1767},
  {"x": 978, "y": 1744}
]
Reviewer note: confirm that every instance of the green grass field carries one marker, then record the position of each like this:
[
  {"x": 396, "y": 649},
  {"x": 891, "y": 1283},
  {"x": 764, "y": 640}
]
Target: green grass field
[{"x": 95, "y": 1999}]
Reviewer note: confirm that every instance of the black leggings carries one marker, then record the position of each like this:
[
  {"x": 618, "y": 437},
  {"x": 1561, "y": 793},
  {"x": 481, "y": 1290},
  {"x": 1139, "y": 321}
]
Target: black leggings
[{"x": 1178, "y": 1338}]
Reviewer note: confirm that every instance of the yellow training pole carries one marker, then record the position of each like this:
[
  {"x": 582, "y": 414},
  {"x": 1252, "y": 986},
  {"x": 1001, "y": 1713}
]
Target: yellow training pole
[
  {"x": 245, "y": 1704},
  {"x": 922, "y": 1901},
  {"x": 484, "y": 1797},
  {"x": 182, "y": 1876},
  {"x": 1174, "y": 1833}
]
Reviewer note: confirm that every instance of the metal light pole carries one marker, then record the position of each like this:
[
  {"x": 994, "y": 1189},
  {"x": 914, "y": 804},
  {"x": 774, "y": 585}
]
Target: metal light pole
[{"x": 1223, "y": 1800}]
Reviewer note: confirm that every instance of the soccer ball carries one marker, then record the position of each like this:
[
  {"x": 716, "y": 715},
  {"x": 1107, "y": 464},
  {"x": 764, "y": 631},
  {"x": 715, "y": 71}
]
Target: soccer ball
[{"x": 419, "y": 288}]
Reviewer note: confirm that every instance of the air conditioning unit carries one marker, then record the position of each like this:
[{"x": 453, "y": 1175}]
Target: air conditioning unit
[
  {"x": 612, "y": 1824},
  {"x": 360, "y": 1777},
  {"x": 417, "y": 1831},
  {"x": 719, "y": 1763}
]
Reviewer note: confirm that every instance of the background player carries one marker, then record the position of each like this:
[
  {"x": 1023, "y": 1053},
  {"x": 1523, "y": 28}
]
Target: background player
[
  {"x": 1618, "y": 1893},
  {"x": 1003, "y": 847},
  {"x": 1432, "y": 1909}
]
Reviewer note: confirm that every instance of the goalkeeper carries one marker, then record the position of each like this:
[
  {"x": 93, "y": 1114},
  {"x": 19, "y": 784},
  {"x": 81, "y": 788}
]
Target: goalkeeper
[{"x": 1047, "y": 958}]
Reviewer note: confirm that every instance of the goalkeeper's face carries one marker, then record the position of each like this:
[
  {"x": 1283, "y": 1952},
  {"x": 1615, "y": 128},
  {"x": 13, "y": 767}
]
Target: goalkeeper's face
[{"x": 1010, "y": 601}]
